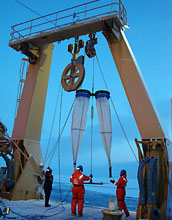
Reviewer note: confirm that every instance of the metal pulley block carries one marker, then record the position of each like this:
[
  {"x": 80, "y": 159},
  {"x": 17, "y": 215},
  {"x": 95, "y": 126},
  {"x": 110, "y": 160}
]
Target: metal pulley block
[
  {"x": 74, "y": 73},
  {"x": 81, "y": 44},
  {"x": 31, "y": 51},
  {"x": 77, "y": 47},
  {"x": 73, "y": 76},
  {"x": 89, "y": 48}
]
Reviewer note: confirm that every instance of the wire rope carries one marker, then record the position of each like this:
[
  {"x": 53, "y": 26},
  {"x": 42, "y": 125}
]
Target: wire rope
[
  {"x": 70, "y": 190},
  {"x": 59, "y": 145},
  {"x": 48, "y": 145},
  {"x": 116, "y": 111},
  {"x": 25, "y": 6},
  {"x": 51, "y": 154},
  {"x": 92, "y": 115}
]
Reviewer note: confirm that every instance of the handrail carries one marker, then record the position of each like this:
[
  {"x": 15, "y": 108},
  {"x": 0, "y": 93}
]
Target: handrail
[
  {"x": 54, "y": 13},
  {"x": 37, "y": 26},
  {"x": 52, "y": 28}
]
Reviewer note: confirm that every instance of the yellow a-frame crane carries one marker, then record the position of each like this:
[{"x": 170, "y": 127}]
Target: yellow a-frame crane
[{"x": 34, "y": 38}]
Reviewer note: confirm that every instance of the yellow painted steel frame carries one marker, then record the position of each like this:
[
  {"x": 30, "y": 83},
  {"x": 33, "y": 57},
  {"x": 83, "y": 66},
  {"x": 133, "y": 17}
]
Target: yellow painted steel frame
[
  {"x": 27, "y": 129},
  {"x": 143, "y": 110},
  {"x": 148, "y": 122}
]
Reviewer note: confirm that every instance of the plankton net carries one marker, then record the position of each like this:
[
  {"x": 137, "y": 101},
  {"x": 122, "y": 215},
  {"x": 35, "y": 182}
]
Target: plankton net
[
  {"x": 79, "y": 118},
  {"x": 105, "y": 124}
]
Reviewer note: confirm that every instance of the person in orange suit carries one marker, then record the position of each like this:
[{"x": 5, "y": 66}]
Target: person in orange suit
[
  {"x": 78, "y": 190},
  {"x": 120, "y": 191}
]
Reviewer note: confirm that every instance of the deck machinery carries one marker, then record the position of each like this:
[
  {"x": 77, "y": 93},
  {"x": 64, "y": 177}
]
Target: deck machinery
[{"x": 35, "y": 39}]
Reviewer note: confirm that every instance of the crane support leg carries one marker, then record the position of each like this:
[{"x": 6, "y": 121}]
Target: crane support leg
[
  {"x": 27, "y": 129},
  {"x": 143, "y": 110},
  {"x": 159, "y": 155}
]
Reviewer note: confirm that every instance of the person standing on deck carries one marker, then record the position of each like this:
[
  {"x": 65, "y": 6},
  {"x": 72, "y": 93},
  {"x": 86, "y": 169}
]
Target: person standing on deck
[
  {"x": 78, "y": 190},
  {"x": 48, "y": 185},
  {"x": 120, "y": 191}
]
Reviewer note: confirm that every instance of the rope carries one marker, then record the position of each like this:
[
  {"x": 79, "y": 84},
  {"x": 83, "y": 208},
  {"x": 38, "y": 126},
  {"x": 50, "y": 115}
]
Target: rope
[
  {"x": 58, "y": 143},
  {"x": 59, "y": 146},
  {"x": 116, "y": 111},
  {"x": 13, "y": 142},
  {"x": 92, "y": 115},
  {"x": 123, "y": 130},
  {"x": 48, "y": 145},
  {"x": 27, "y": 7},
  {"x": 51, "y": 154},
  {"x": 32, "y": 216},
  {"x": 70, "y": 190}
]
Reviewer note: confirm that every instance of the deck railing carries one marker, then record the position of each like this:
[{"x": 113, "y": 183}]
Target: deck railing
[{"x": 70, "y": 16}]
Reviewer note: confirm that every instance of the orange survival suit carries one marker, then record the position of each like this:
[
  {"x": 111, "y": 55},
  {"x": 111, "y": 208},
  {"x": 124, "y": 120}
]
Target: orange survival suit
[
  {"x": 120, "y": 193},
  {"x": 78, "y": 191}
]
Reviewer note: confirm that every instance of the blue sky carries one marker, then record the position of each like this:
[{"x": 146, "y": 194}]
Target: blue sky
[{"x": 150, "y": 39}]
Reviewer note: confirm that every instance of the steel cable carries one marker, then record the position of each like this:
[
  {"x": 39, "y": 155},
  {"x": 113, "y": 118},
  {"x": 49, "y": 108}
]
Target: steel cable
[{"x": 116, "y": 111}]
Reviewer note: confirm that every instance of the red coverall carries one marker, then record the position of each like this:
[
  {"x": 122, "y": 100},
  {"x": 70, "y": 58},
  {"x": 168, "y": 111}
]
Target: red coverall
[
  {"x": 120, "y": 193},
  {"x": 78, "y": 191}
]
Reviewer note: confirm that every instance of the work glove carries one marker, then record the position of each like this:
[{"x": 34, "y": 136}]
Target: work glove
[
  {"x": 91, "y": 175},
  {"x": 112, "y": 181}
]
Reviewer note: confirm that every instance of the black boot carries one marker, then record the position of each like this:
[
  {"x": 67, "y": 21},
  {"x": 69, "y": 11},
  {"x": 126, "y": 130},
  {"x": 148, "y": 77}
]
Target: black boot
[{"x": 128, "y": 214}]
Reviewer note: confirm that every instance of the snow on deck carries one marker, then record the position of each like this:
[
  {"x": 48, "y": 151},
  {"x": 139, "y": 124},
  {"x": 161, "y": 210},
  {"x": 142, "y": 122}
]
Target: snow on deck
[{"x": 35, "y": 209}]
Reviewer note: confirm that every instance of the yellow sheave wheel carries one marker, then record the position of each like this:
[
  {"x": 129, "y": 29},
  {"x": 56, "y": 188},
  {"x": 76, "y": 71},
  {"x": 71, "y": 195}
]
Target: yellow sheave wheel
[{"x": 72, "y": 80}]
